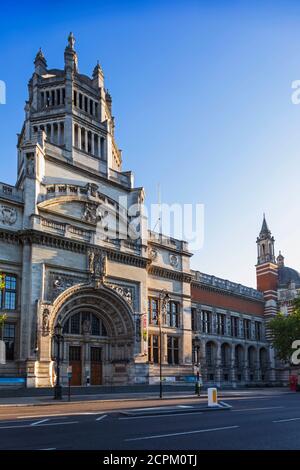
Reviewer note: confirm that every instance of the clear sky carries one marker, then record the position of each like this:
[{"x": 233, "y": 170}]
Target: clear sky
[{"x": 202, "y": 98}]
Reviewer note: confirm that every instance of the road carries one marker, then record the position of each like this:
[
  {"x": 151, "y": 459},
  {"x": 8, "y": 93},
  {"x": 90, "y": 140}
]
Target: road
[{"x": 270, "y": 422}]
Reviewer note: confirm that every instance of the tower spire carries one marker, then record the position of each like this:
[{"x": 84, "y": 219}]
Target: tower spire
[
  {"x": 40, "y": 62},
  {"x": 265, "y": 244}
]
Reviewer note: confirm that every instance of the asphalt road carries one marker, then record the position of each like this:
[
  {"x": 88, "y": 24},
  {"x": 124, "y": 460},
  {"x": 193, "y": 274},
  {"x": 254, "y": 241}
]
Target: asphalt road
[{"x": 252, "y": 423}]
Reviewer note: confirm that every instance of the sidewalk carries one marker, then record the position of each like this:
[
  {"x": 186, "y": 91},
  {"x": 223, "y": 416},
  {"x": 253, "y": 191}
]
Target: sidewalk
[{"x": 120, "y": 397}]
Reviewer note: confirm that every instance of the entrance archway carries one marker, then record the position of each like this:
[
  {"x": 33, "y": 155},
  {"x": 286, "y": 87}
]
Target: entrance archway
[{"x": 98, "y": 330}]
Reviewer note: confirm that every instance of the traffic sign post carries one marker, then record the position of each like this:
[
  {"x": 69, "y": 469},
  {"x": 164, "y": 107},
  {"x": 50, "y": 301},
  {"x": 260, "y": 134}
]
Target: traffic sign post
[{"x": 69, "y": 372}]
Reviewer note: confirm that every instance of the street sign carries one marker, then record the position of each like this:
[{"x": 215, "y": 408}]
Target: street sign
[{"x": 2, "y": 353}]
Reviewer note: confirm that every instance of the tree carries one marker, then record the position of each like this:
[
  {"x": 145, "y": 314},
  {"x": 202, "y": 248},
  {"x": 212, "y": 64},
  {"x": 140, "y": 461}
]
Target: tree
[
  {"x": 3, "y": 317},
  {"x": 284, "y": 331}
]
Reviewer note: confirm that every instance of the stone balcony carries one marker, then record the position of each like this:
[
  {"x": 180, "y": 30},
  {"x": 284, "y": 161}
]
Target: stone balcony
[
  {"x": 11, "y": 193},
  {"x": 78, "y": 233},
  {"x": 168, "y": 242}
]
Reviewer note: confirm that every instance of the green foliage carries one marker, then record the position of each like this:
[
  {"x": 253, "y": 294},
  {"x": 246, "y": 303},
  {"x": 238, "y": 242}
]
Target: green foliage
[{"x": 285, "y": 330}]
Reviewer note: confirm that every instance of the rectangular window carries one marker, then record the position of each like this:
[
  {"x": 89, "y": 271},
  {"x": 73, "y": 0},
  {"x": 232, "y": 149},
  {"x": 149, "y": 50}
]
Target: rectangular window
[
  {"x": 194, "y": 319},
  {"x": 153, "y": 311},
  {"x": 153, "y": 354},
  {"x": 206, "y": 320},
  {"x": 8, "y": 291},
  {"x": 258, "y": 331},
  {"x": 173, "y": 350},
  {"x": 247, "y": 329},
  {"x": 234, "y": 326},
  {"x": 221, "y": 323},
  {"x": 9, "y": 335},
  {"x": 172, "y": 314}
]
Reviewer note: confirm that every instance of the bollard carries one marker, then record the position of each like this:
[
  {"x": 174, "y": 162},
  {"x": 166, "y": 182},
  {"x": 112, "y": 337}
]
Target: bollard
[{"x": 212, "y": 396}]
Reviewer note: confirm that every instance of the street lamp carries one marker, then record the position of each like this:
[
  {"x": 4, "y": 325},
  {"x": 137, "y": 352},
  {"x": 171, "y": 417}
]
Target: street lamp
[
  {"x": 58, "y": 341},
  {"x": 198, "y": 383},
  {"x": 163, "y": 305}
]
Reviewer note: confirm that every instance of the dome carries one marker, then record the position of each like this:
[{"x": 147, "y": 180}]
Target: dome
[{"x": 287, "y": 275}]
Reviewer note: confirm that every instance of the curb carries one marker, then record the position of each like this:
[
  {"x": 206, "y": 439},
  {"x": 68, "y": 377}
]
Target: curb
[{"x": 108, "y": 400}]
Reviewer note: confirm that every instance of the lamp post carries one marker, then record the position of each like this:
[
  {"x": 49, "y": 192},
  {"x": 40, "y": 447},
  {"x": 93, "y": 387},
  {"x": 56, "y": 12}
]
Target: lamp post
[
  {"x": 58, "y": 340},
  {"x": 198, "y": 384},
  {"x": 163, "y": 305}
]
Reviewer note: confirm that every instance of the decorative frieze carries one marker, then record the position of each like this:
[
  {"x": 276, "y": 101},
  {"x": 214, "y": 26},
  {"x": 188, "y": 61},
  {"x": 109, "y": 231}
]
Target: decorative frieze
[
  {"x": 127, "y": 293},
  {"x": 58, "y": 283}
]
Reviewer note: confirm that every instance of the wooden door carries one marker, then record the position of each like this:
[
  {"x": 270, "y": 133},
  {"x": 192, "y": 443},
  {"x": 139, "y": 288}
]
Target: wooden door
[
  {"x": 75, "y": 362},
  {"x": 96, "y": 366}
]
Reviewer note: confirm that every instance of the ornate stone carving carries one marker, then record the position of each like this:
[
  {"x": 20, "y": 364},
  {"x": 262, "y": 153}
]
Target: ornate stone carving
[
  {"x": 153, "y": 253},
  {"x": 174, "y": 260},
  {"x": 8, "y": 215},
  {"x": 30, "y": 164},
  {"x": 60, "y": 282},
  {"x": 126, "y": 293},
  {"x": 92, "y": 212},
  {"x": 45, "y": 322},
  {"x": 97, "y": 264},
  {"x": 92, "y": 189},
  {"x": 86, "y": 327}
]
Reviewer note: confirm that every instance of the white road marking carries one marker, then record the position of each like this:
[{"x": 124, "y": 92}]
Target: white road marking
[
  {"x": 36, "y": 423},
  {"x": 158, "y": 436},
  {"x": 61, "y": 415},
  {"x": 286, "y": 420},
  {"x": 163, "y": 415},
  {"x": 258, "y": 409},
  {"x": 184, "y": 406},
  {"x": 101, "y": 417},
  {"x": 155, "y": 408}
]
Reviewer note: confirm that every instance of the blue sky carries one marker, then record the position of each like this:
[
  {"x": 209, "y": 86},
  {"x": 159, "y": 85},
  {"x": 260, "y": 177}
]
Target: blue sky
[{"x": 202, "y": 98}]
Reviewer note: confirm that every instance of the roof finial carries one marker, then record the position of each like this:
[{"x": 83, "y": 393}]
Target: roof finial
[{"x": 71, "y": 40}]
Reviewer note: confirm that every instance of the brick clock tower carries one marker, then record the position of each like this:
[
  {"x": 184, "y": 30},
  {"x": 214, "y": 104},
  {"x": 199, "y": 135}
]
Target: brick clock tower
[
  {"x": 267, "y": 281},
  {"x": 267, "y": 269}
]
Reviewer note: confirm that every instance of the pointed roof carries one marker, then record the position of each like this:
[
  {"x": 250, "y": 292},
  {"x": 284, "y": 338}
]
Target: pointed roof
[
  {"x": 97, "y": 69},
  {"x": 40, "y": 57},
  {"x": 265, "y": 231}
]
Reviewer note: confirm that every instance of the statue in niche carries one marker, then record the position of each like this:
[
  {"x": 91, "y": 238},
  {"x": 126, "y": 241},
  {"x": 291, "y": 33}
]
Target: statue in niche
[
  {"x": 86, "y": 326},
  {"x": 45, "y": 322},
  {"x": 97, "y": 261},
  {"x": 30, "y": 165}
]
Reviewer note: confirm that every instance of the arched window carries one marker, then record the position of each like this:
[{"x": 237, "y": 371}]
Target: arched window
[{"x": 83, "y": 323}]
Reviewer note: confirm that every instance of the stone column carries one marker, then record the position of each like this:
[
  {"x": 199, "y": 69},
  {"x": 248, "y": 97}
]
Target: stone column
[
  {"x": 79, "y": 137},
  {"x": 93, "y": 144},
  {"x": 51, "y": 132},
  {"x": 246, "y": 365},
  {"x": 86, "y": 140},
  {"x": 58, "y": 133},
  {"x": 218, "y": 368},
  {"x": 99, "y": 147},
  {"x": 233, "y": 366},
  {"x": 258, "y": 369}
]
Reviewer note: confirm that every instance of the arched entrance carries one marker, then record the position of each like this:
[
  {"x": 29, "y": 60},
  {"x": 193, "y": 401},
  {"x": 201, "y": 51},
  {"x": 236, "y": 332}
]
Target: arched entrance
[{"x": 98, "y": 329}]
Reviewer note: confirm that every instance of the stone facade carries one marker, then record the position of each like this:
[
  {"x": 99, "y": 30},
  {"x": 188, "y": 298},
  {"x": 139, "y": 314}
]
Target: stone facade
[{"x": 72, "y": 253}]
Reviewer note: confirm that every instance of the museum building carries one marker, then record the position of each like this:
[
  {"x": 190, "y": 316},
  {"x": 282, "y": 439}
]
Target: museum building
[{"x": 74, "y": 255}]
